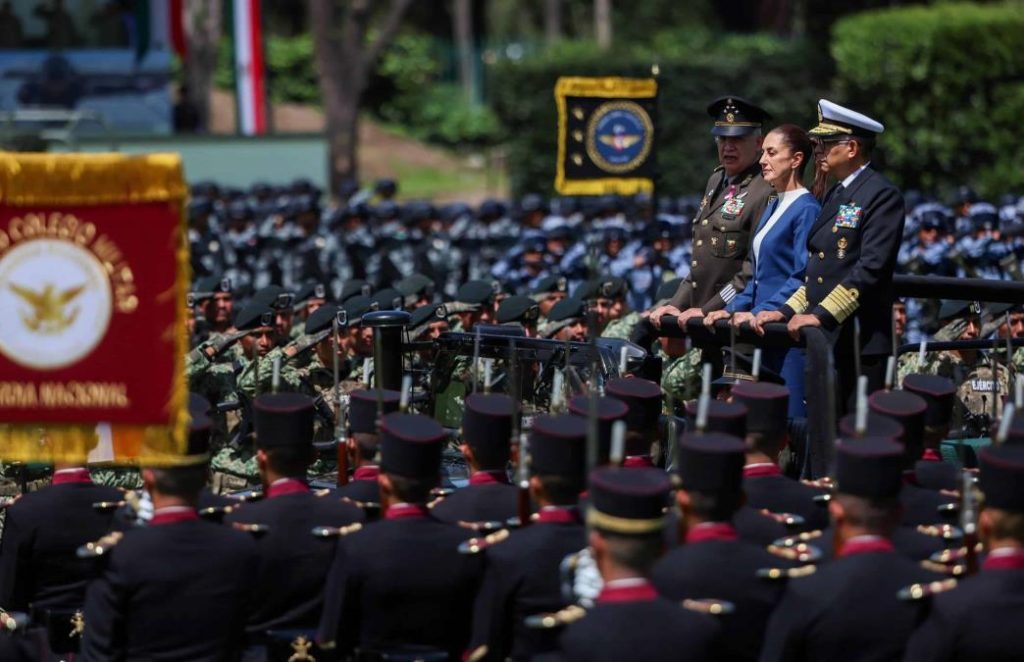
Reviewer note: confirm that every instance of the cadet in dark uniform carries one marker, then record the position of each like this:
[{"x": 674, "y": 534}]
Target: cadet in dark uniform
[
  {"x": 714, "y": 562},
  {"x": 523, "y": 574},
  {"x": 852, "y": 250},
  {"x": 734, "y": 200},
  {"x": 402, "y": 581},
  {"x": 763, "y": 481},
  {"x": 920, "y": 505},
  {"x": 293, "y": 563},
  {"x": 980, "y": 619},
  {"x": 643, "y": 400},
  {"x": 630, "y": 621},
  {"x": 849, "y": 609},
  {"x": 180, "y": 588},
  {"x": 486, "y": 443},
  {"x": 752, "y": 524},
  {"x": 364, "y": 446},
  {"x": 40, "y": 573}
]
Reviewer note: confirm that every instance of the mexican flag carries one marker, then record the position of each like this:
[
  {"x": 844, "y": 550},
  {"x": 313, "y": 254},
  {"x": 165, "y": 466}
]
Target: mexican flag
[{"x": 250, "y": 71}]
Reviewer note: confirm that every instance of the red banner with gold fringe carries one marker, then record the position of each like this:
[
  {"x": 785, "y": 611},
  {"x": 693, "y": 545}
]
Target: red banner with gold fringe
[{"x": 93, "y": 274}]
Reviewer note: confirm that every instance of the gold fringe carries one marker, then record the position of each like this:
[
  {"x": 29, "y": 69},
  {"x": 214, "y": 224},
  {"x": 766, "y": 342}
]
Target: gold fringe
[
  {"x": 89, "y": 179},
  {"x": 94, "y": 179}
]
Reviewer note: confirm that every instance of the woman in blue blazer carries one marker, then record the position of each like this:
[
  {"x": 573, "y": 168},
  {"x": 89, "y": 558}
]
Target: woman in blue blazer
[{"x": 778, "y": 252}]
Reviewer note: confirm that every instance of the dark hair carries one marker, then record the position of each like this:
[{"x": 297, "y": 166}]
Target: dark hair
[
  {"x": 638, "y": 553},
  {"x": 369, "y": 445},
  {"x": 562, "y": 490},
  {"x": 715, "y": 506},
  {"x": 182, "y": 482},
  {"x": 770, "y": 443},
  {"x": 290, "y": 461},
  {"x": 876, "y": 516},
  {"x": 1007, "y": 525},
  {"x": 412, "y": 489},
  {"x": 490, "y": 456},
  {"x": 798, "y": 142}
]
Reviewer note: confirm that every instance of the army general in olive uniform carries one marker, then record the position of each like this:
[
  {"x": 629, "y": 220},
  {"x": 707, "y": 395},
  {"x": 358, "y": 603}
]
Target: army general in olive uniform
[{"x": 733, "y": 202}]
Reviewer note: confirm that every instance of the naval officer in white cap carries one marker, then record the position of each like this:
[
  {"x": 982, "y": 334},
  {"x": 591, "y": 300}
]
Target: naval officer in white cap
[{"x": 851, "y": 250}]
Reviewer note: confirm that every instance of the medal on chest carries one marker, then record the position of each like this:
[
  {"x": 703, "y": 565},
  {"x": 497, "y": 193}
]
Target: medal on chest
[
  {"x": 733, "y": 206},
  {"x": 841, "y": 247},
  {"x": 848, "y": 216}
]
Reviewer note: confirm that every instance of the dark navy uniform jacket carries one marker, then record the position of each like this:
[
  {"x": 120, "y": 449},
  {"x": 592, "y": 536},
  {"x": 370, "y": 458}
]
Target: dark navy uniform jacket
[
  {"x": 849, "y": 609},
  {"x": 399, "y": 582},
  {"x": 293, "y": 563},
  {"x": 851, "y": 255},
  {"x": 41, "y": 534},
  {"x": 523, "y": 577},
  {"x": 179, "y": 588},
  {"x": 487, "y": 498},
  {"x": 715, "y": 564},
  {"x": 633, "y": 623},
  {"x": 363, "y": 489},
  {"x": 979, "y": 619}
]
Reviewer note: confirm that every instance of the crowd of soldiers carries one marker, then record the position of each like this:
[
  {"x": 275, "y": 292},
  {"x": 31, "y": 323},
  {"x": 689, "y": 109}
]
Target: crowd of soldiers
[{"x": 523, "y": 505}]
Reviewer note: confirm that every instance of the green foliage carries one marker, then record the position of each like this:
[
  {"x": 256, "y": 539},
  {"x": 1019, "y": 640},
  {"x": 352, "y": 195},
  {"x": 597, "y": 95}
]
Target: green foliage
[
  {"x": 291, "y": 76},
  {"x": 948, "y": 83},
  {"x": 444, "y": 117},
  {"x": 786, "y": 77}
]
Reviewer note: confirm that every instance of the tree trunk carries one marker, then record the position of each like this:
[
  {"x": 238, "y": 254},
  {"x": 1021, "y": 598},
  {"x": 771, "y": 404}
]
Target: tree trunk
[
  {"x": 462, "y": 19},
  {"x": 344, "y": 59},
  {"x": 603, "y": 23},
  {"x": 552, "y": 21},
  {"x": 203, "y": 25}
]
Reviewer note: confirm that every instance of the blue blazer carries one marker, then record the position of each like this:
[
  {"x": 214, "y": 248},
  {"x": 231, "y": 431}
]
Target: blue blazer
[{"x": 780, "y": 271}]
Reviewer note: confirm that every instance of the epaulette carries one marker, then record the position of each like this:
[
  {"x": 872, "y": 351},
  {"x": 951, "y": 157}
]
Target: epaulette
[
  {"x": 442, "y": 492},
  {"x": 108, "y": 506},
  {"x": 921, "y": 591},
  {"x": 788, "y": 520},
  {"x": 710, "y": 607},
  {"x": 800, "y": 552},
  {"x": 11, "y": 621},
  {"x": 254, "y": 529},
  {"x": 477, "y": 545},
  {"x": 776, "y": 574},
  {"x": 825, "y": 483},
  {"x": 477, "y": 654},
  {"x": 481, "y": 526},
  {"x": 556, "y": 619},
  {"x": 323, "y": 492},
  {"x": 215, "y": 513},
  {"x": 247, "y": 496},
  {"x": 948, "y": 509},
  {"x": 93, "y": 550},
  {"x": 944, "y": 531},
  {"x": 952, "y": 569},
  {"x": 336, "y": 532},
  {"x": 369, "y": 507},
  {"x": 954, "y": 554},
  {"x": 791, "y": 541},
  {"x": 821, "y": 499}
]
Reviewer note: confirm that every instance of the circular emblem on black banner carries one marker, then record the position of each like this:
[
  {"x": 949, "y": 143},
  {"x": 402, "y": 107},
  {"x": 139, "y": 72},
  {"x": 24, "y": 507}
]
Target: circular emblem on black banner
[{"x": 619, "y": 136}]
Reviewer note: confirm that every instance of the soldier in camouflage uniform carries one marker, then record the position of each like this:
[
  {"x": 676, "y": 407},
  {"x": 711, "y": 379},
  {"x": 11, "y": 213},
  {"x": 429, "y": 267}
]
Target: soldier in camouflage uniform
[
  {"x": 308, "y": 298},
  {"x": 475, "y": 303}
]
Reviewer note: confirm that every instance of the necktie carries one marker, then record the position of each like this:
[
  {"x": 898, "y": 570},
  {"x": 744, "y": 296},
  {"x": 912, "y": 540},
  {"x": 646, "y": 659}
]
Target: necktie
[{"x": 731, "y": 191}]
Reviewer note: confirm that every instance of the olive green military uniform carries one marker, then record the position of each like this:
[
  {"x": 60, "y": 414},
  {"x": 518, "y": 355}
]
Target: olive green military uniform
[
  {"x": 621, "y": 328},
  {"x": 722, "y": 232}
]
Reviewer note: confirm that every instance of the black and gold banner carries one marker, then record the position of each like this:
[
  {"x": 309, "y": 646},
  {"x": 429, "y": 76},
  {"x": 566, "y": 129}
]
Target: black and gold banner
[{"x": 606, "y": 135}]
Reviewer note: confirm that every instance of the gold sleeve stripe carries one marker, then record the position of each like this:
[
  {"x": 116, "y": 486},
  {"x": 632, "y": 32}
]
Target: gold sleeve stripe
[
  {"x": 841, "y": 302},
  {"x": 798, "y": 302}
]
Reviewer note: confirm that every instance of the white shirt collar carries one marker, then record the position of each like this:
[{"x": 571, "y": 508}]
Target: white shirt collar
[
  {"x": 173, "y": 509},
  {"x": 626, "y": 582},
  {"x": 853, "y": 175}
]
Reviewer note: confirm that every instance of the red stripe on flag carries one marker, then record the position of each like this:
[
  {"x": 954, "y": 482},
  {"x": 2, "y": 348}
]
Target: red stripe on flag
[
  {"x": 257, "y": 69},
  {"x": 176, "y": 17}
]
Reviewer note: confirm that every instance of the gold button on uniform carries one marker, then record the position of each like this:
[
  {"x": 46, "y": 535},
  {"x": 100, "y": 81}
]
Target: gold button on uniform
[
  {"x": 820, "y": 280},
  {"x": 694, "y": 263},
  {"x": 704, "y": 222},
  {"x": 821, "y": 256},
  {"x": 835, "y": 229},
  {"x": 694, "y": 284},
  {"x": 700, "y": 242}
]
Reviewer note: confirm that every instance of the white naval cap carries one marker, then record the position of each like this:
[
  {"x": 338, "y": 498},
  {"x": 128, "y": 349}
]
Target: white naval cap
[{"x": 835, "y": 120}]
